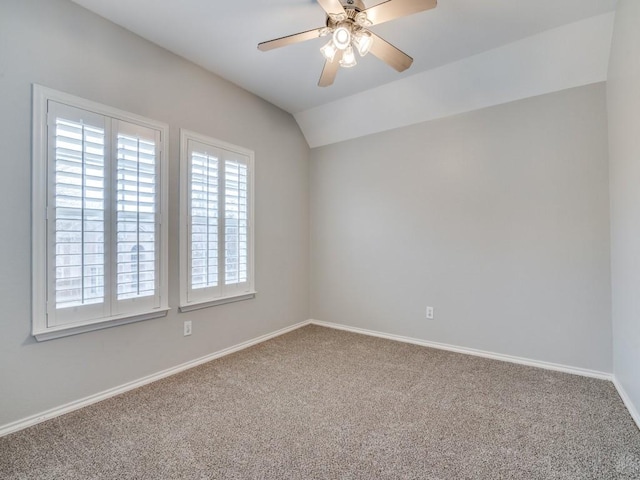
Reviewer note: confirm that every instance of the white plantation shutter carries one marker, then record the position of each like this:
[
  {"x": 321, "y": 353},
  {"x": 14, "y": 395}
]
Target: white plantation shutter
[
  {"x": 79, "y": 214},
  {"x": 98, "y": 255},
  {"x": 204, "y": 190},
  {"x": 136, "y": 207},
  {"x": 77, "y": 209},
  {"x": 235, "y": 222},
  {"x": 216, "y": 231}
]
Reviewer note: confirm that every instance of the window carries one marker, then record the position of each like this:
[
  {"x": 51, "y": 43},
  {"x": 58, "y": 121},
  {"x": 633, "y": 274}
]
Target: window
[
  {"x": 216, "y": 234},
  {"x": 99, "y": 193}
]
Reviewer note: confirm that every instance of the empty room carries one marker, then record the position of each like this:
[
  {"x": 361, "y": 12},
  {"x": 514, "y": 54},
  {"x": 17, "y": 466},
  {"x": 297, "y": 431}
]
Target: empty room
[{"x": 320, "y": 239}]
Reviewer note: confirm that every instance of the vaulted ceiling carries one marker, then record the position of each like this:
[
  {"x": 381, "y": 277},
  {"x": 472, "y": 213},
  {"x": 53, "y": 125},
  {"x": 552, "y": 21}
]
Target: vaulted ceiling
[{"x": 223, "y": 36}]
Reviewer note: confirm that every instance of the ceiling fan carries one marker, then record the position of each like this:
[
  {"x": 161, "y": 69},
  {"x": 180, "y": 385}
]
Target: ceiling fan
[{"x": 347, "y": 26}]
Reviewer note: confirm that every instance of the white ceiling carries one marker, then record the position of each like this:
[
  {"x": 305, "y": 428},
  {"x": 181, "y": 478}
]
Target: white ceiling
[{"x": 222, "y": 36}]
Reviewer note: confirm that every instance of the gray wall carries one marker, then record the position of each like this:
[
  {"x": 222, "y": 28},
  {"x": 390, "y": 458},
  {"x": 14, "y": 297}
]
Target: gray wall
[
  {"x": 623, "y": 95},
  {"x": 60, "y": 45},
  {"x": 498, "y": 218}
]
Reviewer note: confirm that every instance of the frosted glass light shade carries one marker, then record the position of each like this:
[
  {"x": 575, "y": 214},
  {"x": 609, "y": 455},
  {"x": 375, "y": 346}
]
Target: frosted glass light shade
[
  {"x": 348, "y": 58},
  {"x": 342, "y": 37},
  {"x": 363, "y": 42},
  {"x": 329, "y": 51}
]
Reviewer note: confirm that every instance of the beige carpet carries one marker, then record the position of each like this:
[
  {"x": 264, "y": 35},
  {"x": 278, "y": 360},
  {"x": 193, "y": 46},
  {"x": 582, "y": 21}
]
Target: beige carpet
[{"x": 327, "y": 404}]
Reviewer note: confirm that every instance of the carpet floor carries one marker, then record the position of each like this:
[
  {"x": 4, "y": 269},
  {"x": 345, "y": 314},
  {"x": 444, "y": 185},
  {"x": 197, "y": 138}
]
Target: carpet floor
[{"x": 319, "y": 403}]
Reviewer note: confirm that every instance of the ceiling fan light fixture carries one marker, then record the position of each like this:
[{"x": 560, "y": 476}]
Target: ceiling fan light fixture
[
  {"x": 329, "y": 51},
  {"x": 342, "y": 37},
  {"x": 363, "y": 41},
  {"x": 348, "y": 58},
  {"x": 346, "y": 27}
]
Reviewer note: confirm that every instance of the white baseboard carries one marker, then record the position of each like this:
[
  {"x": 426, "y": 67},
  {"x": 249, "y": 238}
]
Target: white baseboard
[
  {"x": 471, "y": 351},
  {"x": 627, "y": 402},
  {"x": 112, "y": 392}
]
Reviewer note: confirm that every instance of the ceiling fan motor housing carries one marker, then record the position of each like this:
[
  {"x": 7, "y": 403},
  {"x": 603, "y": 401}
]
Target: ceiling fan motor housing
[
  {"x": 357, "y": 5},
  {"x": 351, "y": 9}
]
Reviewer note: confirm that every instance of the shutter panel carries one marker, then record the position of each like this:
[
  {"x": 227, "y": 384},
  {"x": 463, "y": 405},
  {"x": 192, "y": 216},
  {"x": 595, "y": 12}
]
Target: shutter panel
[
  {"x": 136, "y": 207},
  {"x": 204, "y": 193},
  {"x": 77, "y": 228},
  {"x": 236, "y": 222}
]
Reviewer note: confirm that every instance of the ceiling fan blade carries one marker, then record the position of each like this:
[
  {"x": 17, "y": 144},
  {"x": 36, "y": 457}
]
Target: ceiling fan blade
[
  {"x": 330, "y": 70},
  {"x": 289, "y": 39},
  {"x": 389, "y": 54},
  {"x": 331, "y": 6},
  {"x": 393, "y": 9}
]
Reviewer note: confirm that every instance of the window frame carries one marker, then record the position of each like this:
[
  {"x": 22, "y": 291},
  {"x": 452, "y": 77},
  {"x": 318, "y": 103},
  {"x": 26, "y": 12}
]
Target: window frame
[
  {"x": 187, "y": 301},
  {"x": 41, "y": 240}
]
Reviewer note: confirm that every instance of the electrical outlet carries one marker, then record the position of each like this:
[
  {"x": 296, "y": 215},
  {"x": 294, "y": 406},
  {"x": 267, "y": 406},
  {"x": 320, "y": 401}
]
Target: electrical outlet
[
  {"x": 187, "y": 328},
  {"x": 430, "y": 313}
]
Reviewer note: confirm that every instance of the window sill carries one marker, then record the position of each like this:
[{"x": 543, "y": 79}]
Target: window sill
[
  {"x": 67, "y": 330},
  {"x": 220, "y": 301}
]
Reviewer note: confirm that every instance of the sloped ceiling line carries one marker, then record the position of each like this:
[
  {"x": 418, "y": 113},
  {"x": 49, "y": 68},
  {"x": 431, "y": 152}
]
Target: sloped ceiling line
[{"x": 569, "y": 56}]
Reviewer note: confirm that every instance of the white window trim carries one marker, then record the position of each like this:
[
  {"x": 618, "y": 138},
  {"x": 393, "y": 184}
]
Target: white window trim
[
  {"x": 185, "y": 304},
  {"x": 40, "y": 330}
]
